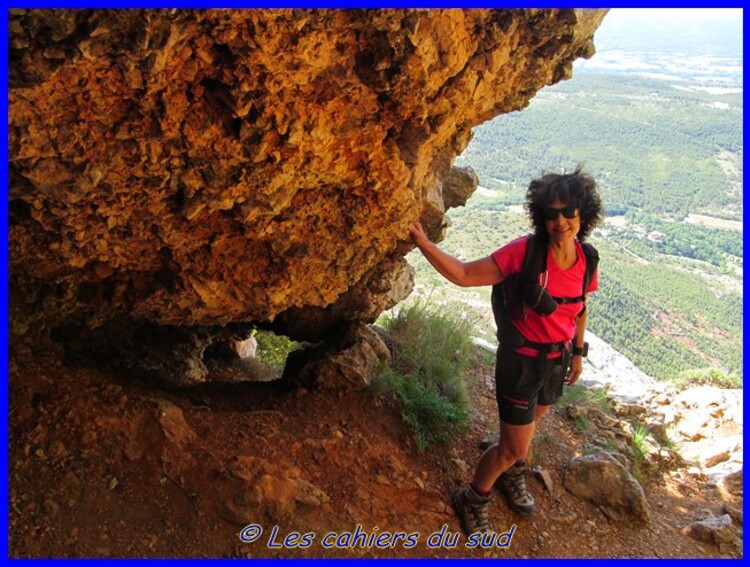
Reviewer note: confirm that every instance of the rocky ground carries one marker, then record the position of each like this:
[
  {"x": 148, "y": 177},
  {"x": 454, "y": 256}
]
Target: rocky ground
[{"x": 107, "y": 464}]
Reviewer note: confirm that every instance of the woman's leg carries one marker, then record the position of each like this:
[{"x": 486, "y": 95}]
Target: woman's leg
[
  {"x": 518, "y": 385},
  {"x": 540, "y": 411},
  {"x": 513, "y": 445},
  {"x": 471, "y": 503}
]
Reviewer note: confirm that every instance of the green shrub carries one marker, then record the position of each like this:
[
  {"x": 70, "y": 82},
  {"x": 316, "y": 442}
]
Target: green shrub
[
  {"x": 436, "y": 344},
  {"x": 273, "y": 349},
  {"x": 432, "y": 417},
  {"x": 431, "y": 352}
]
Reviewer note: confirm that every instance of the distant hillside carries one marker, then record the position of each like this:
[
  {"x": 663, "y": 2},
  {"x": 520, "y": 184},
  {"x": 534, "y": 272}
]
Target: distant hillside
[{"x": 655, "y": 146}]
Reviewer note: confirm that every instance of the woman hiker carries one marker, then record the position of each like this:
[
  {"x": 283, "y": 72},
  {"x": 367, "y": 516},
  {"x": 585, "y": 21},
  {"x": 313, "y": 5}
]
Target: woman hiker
[{"x": 539, "y": 301}]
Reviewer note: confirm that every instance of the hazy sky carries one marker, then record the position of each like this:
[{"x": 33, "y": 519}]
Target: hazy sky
[
  {"x": 687, "y": 14},
  {"x": 691, "y": 31}
]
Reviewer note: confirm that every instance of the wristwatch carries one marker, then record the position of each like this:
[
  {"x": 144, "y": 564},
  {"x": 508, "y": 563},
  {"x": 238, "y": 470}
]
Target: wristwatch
[{"x": 581, "y": 351}]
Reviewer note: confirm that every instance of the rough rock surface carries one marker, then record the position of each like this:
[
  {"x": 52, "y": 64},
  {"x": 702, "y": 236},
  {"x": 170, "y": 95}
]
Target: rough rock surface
[
  {"x": 718, "y": 531},
  {"x": 350, "y": 361},
  {"x": 205, "y": 167},
  {"x": 603, "y": 479}
]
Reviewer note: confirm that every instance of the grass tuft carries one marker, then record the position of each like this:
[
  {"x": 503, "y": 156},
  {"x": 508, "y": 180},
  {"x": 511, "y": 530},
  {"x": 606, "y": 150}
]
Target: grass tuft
[
  {"x": 580, "y": 395},
  {"x": 707, "y": 377},
  {"x": 639, "y": 450}
]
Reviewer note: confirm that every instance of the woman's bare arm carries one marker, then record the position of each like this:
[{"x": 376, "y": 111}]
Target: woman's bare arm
[{"x": 465, "y": 274}]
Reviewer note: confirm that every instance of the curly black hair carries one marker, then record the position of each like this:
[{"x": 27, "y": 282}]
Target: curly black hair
[{"x": 577, "y": 189}]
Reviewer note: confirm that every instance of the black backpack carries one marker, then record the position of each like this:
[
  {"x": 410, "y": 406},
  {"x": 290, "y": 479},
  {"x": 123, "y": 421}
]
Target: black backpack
[{"x": 506, "y": 296}]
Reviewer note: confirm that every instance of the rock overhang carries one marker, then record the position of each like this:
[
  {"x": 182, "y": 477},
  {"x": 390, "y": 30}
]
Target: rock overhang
[{"x": 211, "y": 167}]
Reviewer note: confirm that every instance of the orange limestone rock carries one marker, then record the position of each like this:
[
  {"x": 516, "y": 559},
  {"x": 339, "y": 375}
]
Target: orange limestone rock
[{"x": 205, "y": 167}]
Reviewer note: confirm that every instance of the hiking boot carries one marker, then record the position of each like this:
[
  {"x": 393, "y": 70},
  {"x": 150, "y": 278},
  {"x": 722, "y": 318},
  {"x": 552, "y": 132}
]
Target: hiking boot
[
  {"x": 472, "y": 511},
  {"x": 512, "y": 483}
]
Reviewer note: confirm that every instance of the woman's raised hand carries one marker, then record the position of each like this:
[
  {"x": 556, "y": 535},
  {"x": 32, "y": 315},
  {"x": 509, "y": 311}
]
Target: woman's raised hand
[{"x": 418, "y": 235}]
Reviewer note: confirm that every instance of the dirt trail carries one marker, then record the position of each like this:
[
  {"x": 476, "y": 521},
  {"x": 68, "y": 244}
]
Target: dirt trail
[{"x": 108, "y": 464}]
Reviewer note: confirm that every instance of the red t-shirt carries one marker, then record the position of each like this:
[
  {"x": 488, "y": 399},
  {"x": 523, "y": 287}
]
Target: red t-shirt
[{"x": 560, "y": 325}]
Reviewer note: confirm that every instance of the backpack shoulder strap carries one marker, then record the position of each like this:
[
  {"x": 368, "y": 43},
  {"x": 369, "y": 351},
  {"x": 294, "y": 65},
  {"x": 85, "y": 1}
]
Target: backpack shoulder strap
[
  {"x": 534, "y": 262},
  {"x": 592, "y": 262}
]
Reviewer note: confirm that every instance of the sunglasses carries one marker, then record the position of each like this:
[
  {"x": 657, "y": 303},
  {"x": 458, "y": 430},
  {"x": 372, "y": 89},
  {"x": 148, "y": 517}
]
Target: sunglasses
[{"x": 569, "y": 212}]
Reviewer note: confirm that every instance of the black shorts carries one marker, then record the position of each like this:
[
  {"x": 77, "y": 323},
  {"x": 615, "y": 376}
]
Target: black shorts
[{"x": 522, "y": 382}]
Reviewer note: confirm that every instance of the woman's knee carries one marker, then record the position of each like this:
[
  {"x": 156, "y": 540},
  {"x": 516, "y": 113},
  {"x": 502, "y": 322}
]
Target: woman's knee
[
  {"x": 512, "y": 451},
  {"x": 515, "y": 440},
  {"x": 496, "y": 457}
]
